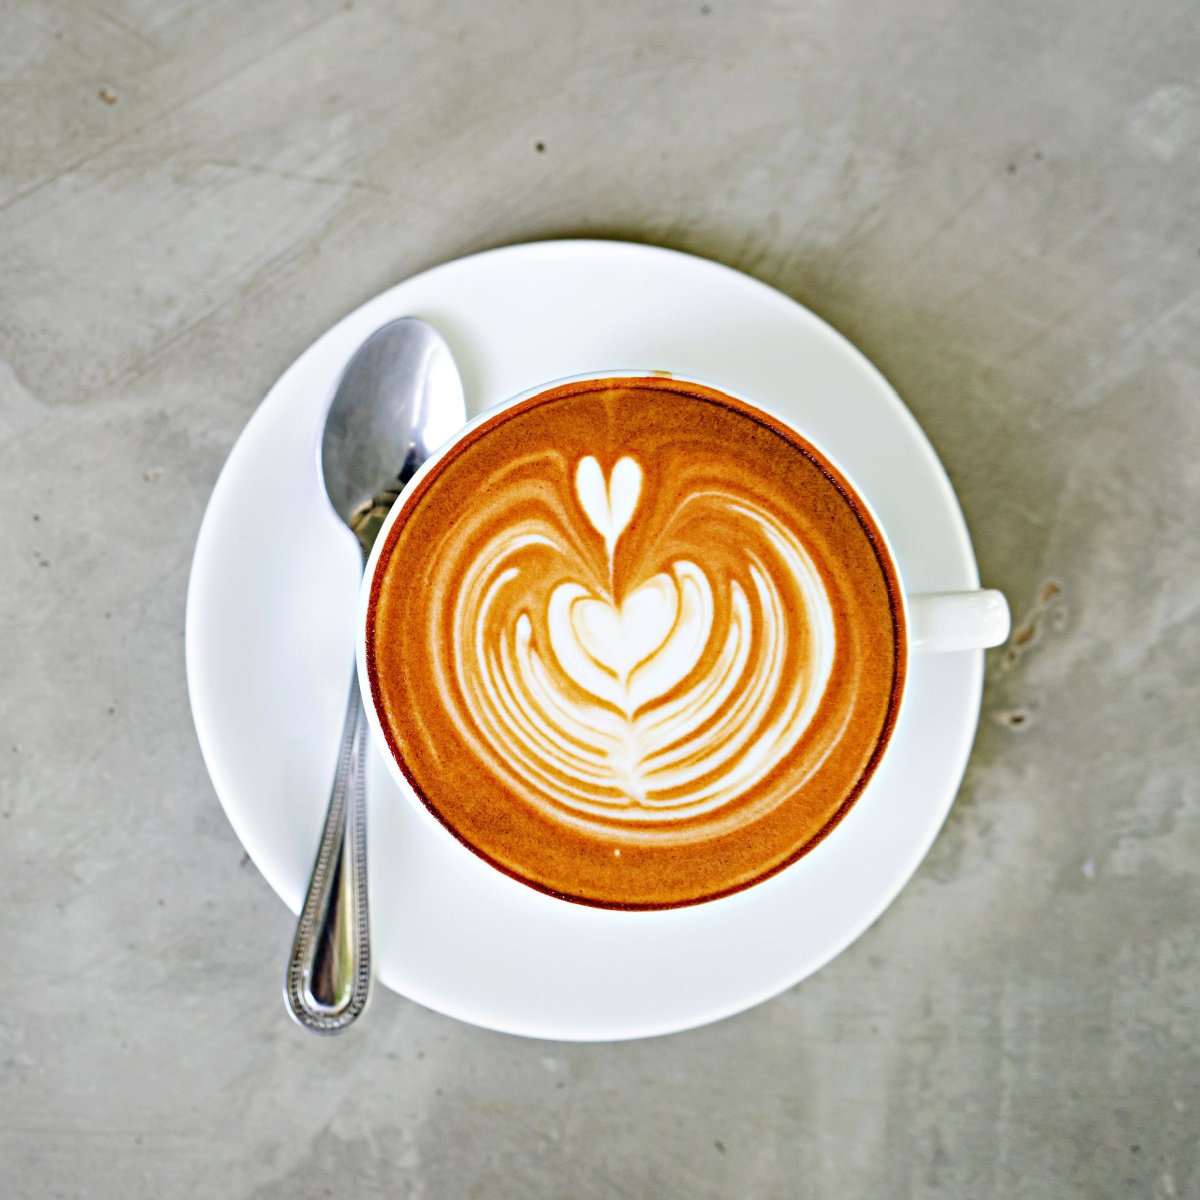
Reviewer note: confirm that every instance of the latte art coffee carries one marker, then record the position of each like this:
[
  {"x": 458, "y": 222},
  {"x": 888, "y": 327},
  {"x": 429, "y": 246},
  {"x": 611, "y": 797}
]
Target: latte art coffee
[{"x": 635, "y": 643}]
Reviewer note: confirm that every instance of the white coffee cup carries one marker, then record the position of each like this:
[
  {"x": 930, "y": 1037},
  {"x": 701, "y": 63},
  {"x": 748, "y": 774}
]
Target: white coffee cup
[{"x": 935, "y": 622}]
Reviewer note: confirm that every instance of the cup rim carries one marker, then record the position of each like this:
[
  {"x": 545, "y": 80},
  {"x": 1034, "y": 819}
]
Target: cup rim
[{"x": 838, "y": 476}]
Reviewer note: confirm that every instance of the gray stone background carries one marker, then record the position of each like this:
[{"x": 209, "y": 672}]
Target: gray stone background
[{"x": 999, "y": 202}]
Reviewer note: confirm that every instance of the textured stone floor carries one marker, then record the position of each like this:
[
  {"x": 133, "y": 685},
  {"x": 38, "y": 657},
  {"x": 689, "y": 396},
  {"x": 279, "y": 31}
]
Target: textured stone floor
[{"x": 997, "y": 202}]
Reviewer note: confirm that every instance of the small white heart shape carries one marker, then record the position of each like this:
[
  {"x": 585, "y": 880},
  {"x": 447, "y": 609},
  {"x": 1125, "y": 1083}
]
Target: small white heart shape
[
  {"x": 620, "y": 638},
  {"x": 608, "y": 506}
]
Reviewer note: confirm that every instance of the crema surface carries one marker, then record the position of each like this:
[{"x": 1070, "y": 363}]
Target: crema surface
[{"x": 634, "y": 643}]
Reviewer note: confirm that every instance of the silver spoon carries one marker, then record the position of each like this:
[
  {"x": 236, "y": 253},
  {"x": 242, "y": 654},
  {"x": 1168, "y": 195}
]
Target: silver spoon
[{"x": 399, "y": 398}]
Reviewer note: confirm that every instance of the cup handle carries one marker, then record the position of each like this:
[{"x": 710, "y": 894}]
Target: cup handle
[{"x": 957, "y": 620}]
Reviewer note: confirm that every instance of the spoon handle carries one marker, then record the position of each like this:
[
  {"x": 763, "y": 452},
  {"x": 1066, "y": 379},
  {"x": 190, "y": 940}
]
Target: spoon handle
[{"x": 329, "y": 972}]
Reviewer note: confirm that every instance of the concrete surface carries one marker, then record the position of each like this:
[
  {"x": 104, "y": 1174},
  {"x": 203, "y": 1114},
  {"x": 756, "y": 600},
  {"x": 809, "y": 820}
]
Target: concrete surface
[{"x": 999, "y": 202}]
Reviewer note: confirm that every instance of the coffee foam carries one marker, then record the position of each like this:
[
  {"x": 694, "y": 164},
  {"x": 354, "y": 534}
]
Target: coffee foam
[
  {"x": 626, "y": 651},
  {"x": 642, "y": 702}
]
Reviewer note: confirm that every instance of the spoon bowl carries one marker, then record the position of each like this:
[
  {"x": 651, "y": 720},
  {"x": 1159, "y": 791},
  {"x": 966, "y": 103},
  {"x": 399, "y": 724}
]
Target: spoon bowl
[{"x": 399, "y": 399}]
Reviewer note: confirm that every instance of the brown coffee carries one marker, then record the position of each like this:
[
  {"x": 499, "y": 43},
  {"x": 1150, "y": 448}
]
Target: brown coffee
[{"x": 635, "y": 643}]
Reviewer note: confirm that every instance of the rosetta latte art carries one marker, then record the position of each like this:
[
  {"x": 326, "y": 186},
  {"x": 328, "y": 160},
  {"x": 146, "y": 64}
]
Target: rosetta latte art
[
  {"x": 634, "y": 642},
  {"x": 646, "y": 695}
]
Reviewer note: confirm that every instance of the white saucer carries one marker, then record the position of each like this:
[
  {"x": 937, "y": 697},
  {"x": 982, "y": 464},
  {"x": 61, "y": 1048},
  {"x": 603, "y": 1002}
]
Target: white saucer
[{"x": 270, "y": 614}]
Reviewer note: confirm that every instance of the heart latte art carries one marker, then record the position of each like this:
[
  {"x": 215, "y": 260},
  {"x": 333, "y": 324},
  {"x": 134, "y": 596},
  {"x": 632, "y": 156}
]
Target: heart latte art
[
  {"x": 633, "y": 644},
  {"x": 661, "y": 700}
]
